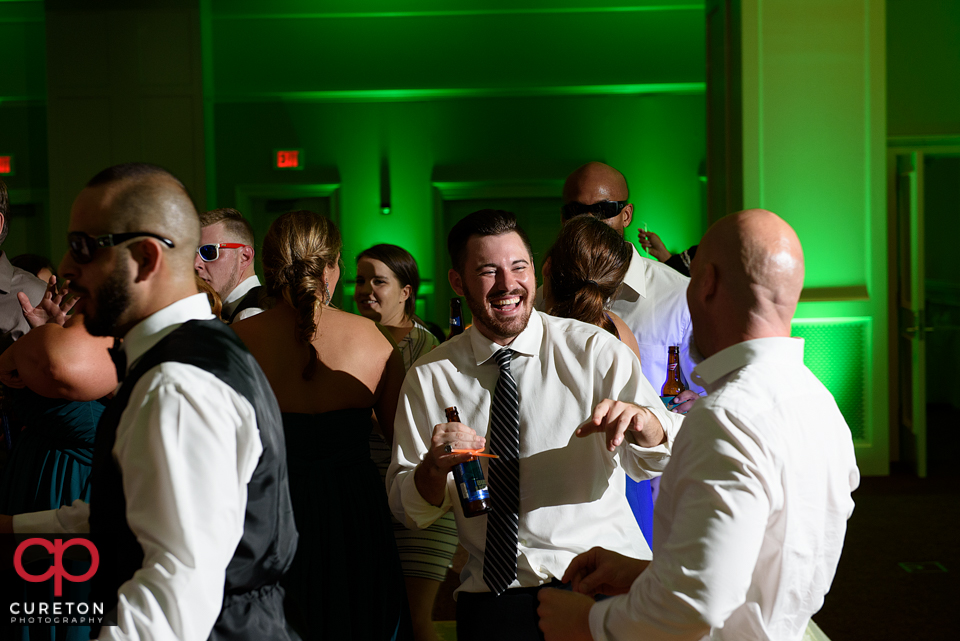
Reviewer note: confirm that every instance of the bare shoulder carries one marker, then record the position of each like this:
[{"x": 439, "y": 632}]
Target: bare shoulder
[
  {"x": 256, "y": 330},
  {"x": 356, "y": 330}
]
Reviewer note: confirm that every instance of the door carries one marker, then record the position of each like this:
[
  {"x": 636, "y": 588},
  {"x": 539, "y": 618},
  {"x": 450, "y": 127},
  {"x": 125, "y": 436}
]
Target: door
[
  {"x": 910, "y": 299},
  {"x": 262, "y": 204}
]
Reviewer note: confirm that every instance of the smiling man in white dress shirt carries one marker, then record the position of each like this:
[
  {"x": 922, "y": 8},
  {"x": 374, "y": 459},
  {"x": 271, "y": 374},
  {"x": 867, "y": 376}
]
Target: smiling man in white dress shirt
[
  {"x": 754, "y": 503},
  {"x": 573, "y": 379}
]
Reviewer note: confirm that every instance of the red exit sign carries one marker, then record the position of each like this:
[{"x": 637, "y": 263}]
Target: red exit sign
[
  {"x": 6, "y": 165},
  {"x": 288, "y": 159}
]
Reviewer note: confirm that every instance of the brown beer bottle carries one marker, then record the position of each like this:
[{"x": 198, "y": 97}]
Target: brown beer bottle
[
  {"x": 471, "y": 486},
  {"x": 672, "y": 386},
  {"x": 456, "y": 317}
]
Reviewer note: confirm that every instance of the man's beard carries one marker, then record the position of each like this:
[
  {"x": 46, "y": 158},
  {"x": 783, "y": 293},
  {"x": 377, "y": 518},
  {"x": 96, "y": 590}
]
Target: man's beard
[
  {"x": 499, "y": 327},
  {"x": 113, "y": 299}
]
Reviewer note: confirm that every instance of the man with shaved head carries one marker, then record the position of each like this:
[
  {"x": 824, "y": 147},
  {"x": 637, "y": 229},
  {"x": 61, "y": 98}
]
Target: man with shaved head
[
  {"x": 652, "y": 299},
  {"x": 754, "y": 502},
  {"x": 189, "y": 486}
]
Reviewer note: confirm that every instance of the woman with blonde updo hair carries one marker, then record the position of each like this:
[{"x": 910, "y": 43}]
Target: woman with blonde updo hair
[
  {"x": 328, "y": 369},
  {"x": 583, "y": 271}
]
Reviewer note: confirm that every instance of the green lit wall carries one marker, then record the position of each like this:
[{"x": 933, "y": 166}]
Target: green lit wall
[
  {"x": 476, "y": 92},
  {"x": 814, "y": 141},
  {"x": 23, "y": 124},
  {"x": 923, "y": 68}
]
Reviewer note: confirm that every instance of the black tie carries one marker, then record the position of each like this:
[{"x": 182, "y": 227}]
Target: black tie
[
  {"x": 503, "y": 523},
  {"x": 119, "y": 359}
]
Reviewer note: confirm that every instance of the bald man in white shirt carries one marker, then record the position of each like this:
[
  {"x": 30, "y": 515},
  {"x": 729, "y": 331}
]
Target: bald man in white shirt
[{"x": 754, "y": 502}]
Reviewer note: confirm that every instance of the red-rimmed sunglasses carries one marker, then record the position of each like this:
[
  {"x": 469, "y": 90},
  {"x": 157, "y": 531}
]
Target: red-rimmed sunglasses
[{"x": 211, "y": 252}]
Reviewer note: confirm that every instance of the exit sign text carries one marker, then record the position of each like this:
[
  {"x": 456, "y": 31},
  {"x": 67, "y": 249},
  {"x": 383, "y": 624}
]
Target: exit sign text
[{"x": 288, "y": 159}]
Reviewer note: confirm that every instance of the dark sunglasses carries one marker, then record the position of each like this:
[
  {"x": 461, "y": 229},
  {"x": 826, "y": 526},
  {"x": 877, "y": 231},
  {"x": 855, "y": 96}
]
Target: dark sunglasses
[
  {"x": 83, "y": 246},
  {"x": 209, "y": 253},
  {"x": 602, "y": 210}
]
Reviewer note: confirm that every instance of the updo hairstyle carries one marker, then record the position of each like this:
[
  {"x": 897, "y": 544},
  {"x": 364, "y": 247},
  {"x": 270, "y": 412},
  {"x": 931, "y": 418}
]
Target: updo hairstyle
[
  {"x": 404, "y": 267},
  {"x": 588, "y": 262},
  {"x": 297, "y": 248}
]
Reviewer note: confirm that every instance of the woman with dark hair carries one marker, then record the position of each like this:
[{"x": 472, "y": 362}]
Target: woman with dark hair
[
  {"x": 328, "y": 368},
  {"x": 581, "y": 275},
  {"x": 386, "y": 291},
  {"x": 583, "y": 271}
]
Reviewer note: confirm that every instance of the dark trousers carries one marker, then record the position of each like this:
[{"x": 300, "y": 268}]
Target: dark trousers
[{"x": 512, "y": 616}]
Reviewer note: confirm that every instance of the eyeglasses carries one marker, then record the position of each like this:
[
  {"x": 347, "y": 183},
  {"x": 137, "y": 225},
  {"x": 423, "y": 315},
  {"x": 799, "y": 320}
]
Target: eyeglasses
[
  {"x": 209, "y": 253},
  {"x": 602, "y": 210},
  {"x": 83, "y": 246}
]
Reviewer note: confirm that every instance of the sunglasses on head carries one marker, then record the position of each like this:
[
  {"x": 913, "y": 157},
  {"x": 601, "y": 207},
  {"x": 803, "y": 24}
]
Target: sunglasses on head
[
  {"x": 83, "y": 246},
  {"x": 602, "y": 210},
  {"x": 211, "y": 252}
]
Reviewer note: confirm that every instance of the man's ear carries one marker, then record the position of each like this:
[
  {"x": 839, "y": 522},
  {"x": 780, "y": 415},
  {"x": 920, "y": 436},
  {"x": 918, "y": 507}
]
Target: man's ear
[
  {"x": 147, "y": 254},
  {"x": 627, "y": 214},
  {"x": 246, "y": 257},
  {"x": 708, "y": 282},
  {"x": 455, "y": 281}
]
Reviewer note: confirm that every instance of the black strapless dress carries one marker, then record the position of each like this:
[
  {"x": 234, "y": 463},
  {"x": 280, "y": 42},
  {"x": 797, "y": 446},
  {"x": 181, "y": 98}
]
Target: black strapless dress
[{"x": 345, "y": 582}]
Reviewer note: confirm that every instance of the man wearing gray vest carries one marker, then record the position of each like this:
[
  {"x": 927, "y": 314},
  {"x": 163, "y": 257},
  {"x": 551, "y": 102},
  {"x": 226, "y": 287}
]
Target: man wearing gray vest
[{"x": 189, "y": 487}]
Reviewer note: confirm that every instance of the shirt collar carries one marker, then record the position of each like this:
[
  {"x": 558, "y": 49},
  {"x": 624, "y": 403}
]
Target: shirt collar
[
  {"x": 241, "y": 290},
  {"x": 527, "y": 342},
  {"x": 735, "y": 357},
  {"x": 6, "y": 273},
  {"x": 636, "y": 278},
  {"x": 156, "y": 326}
]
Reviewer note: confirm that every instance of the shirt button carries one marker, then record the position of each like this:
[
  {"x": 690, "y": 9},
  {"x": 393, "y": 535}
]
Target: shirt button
[{"x": 523, "y": 542}]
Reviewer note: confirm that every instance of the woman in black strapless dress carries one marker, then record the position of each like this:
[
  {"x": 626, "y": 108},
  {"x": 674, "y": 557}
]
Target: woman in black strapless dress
[{"x": 328, "y": 368}]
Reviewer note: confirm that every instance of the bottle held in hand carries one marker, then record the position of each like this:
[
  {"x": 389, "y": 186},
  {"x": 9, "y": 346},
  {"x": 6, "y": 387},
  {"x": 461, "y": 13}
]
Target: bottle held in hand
[
  {"x": 673, "y": 385},
  {"x": 471, "y": 486}
]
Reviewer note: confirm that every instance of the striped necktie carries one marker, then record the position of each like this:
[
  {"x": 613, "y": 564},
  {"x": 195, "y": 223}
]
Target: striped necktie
[{"x": 503, "y": 523}]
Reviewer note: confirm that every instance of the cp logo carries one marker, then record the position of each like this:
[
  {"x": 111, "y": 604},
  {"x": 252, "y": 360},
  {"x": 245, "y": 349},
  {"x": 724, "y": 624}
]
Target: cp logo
[{"x": 57, "y": 572}]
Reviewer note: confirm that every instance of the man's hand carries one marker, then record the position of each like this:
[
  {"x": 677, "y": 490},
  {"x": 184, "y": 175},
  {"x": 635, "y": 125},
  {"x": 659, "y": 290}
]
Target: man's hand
[
  {"x": 654, "y": 246},
  {"x": 616, "y": 417},
  {"x": 431, "y": 474},
  {"x": 683, "y": 402},
  {"x": 564, "y": 616},
  {"x": 52, "y": 308},
  {"x": 600, "y": 571}
]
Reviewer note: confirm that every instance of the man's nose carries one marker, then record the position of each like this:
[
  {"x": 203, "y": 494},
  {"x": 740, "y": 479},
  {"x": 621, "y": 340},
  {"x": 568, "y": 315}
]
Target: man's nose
[
  {"x": 198, "y": 263},
  {"x": 67, "y": 268}
]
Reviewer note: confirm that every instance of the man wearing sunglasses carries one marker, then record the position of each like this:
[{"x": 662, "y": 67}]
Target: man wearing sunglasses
[
  {"x": 190, "y": 506},
  {"x": 13, "y": 280},
  {"x": 225, "y": 261},
  {"x": 652, "y": 300}
]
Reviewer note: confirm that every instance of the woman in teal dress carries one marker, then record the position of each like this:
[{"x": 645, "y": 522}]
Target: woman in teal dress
[
  {"x": 52, "y": 379},
  {"x": 328, "y": 368}
]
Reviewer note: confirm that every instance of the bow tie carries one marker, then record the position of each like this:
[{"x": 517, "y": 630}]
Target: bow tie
[{"x": 119, "y": 358}]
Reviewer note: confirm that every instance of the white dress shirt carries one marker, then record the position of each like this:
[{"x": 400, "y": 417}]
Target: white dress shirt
[
  {"x": 571, "y": 489},
  {"x": 187, "y": 445},
  {"x": 653, "y": 304},
  {"x": 753, "y": 507},
  {"x": 233, "y": 299}
]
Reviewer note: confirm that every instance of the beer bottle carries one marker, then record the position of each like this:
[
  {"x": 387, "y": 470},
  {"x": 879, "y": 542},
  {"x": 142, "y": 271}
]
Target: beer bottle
[
  {"x": 456, "y": 317},
  {"x": 672, "y": 386},
  {"x": 471, "y": 486}
]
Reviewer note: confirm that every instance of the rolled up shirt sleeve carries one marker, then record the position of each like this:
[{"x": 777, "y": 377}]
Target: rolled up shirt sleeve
[
  {"x": 413, "y": 432},
  {"x": 187, "y": 446}
]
